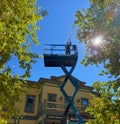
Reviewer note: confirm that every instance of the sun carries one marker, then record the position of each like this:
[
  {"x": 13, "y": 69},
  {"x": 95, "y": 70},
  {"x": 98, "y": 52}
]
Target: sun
[{"x": 98, "y": 40}]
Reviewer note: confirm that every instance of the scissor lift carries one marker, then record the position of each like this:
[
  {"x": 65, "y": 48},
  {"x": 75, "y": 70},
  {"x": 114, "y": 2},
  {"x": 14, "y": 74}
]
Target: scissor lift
[{"x": 64, "y": 56}]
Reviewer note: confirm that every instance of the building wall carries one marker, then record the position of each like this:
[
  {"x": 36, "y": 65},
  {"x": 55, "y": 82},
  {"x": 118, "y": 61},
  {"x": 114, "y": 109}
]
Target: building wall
[
  {"x": 69, "y": 89},
  {"x": 41, "y": 91},
  {"x": 83, "y": 93},
  {"x": 51, "y": 89},
  {"x": 32, "y": 91},
  {"x": 20, "y": 121}
]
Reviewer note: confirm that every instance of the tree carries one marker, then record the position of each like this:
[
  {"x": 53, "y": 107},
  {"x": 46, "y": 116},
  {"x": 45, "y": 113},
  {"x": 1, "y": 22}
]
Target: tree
[
  {"x": 105, "y": 108},
  {"x": 18, "y": 19},
  {"x": 99, "y": 28}
]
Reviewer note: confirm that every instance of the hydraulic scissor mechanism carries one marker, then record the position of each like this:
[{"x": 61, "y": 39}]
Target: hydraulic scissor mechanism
[{"x": 67, "y": 98}]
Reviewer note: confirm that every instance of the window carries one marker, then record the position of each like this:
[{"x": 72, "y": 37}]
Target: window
[
  {"x": 52, "y": 97},
  {"x": 30, "y": 102},
  {"x": 85, "y": 102}
]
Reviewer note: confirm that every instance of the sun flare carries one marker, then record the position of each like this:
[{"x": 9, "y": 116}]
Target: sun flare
[{"x": 98, "y": 40}]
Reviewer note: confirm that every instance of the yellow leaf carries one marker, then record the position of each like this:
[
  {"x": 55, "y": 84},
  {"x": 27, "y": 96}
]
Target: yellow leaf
[
  {"x": 0, "y": 25},
  {"x": 2, "y": 121}
]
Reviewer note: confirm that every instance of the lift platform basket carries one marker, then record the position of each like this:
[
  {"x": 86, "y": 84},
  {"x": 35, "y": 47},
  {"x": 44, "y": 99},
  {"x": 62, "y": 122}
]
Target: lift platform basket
[{"x": 57, "y": 55}]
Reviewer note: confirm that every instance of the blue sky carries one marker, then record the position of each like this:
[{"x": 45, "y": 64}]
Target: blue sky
[{"x": 56, "y": 28}]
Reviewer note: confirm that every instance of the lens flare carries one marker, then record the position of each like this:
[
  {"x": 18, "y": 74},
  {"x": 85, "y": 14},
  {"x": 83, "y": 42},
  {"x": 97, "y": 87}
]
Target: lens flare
[{"x": 98, "y": 40}]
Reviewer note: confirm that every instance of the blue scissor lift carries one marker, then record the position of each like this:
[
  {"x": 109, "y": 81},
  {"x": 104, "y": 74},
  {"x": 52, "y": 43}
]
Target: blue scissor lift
[{"x": 64, "y": 56}]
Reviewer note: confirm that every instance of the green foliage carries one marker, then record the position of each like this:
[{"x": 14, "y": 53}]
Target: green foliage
[
  {"x": 105, "y": 108},
  {"x": 18, "y": 19},
  {"x": 103, "y": 3},
  {"x": 102, "y": 20}
]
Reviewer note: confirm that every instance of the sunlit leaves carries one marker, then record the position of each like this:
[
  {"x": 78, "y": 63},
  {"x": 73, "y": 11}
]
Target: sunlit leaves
[
  {"x": 3, "y": 121},
  {"x": 102, "y": 19},
  {"x": 103, "y": 112},
  {"x": 18, "y": 26},
  {"x": 97, "y": 21},
  {"x": 105, "y": 108},
  {"x": 17, "y": 17}
]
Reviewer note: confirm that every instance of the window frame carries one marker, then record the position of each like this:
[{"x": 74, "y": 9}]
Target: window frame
[
  {"x": 33, "y": 104},
  {"x": 52, "y": 98},
  {"x": 84, "y": 100}
]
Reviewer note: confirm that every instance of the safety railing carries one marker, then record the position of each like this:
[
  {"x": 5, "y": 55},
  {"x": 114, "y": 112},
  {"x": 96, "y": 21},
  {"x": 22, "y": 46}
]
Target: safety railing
[
  {"x": 60, "y": 49},
  {"x": 60, "y": 106}
]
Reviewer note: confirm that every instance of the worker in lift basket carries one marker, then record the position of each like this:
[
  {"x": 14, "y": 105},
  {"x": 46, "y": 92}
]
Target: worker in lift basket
[{"x": 68, "y": 48}]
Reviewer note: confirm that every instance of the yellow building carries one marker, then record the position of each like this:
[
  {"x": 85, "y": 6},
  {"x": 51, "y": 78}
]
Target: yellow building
[{"x": 45, "y": 104}]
